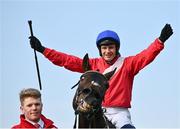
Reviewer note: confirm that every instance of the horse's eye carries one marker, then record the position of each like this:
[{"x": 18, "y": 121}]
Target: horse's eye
[
  {"x": 82, "y": 78},
  {"x": 86, "y": 91}
]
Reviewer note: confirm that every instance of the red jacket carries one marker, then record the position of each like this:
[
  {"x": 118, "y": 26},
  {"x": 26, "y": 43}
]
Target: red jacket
[
  {"x": 25, "y": 124},
  {"x": 120, "y": 91}
]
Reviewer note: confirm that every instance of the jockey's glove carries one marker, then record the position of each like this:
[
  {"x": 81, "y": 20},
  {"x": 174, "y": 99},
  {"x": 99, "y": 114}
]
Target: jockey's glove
[
  {"x": 166, "y": 32},
  {"x": 36, "y": 44}
]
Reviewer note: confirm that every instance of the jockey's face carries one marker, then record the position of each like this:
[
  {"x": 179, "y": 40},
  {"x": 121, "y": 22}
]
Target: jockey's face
[{"x": 108, "y": 52}]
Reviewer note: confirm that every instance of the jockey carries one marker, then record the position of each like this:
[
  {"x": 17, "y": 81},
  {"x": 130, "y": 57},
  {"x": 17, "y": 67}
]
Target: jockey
[{"x": 118, "y": 96}]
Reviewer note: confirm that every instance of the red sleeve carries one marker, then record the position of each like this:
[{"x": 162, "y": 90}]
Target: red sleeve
[
  {"x": 139, "y": 61},
  {"x": 70, "y": 62},
  {"x": 15, "y": 127}
]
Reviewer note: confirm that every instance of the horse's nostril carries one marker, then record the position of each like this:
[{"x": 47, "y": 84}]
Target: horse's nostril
[
  {"x": 95, "y": 102},
  {"x": 92, "y": 101}
]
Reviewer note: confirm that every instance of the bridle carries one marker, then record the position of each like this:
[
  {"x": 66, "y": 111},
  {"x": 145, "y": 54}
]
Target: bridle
[{"x": 89, "y": 90}]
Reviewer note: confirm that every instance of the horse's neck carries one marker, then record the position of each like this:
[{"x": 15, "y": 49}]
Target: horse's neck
[{"x": 96, "y": 121}]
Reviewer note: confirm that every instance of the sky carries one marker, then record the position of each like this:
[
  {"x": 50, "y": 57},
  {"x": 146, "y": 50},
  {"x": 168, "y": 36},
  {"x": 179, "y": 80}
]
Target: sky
[{"x": 71, "y": 26}]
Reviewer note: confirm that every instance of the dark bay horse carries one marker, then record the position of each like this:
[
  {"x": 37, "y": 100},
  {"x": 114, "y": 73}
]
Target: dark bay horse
[{"x": 88, "y": 98}]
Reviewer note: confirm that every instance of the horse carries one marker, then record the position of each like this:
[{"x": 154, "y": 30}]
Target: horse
[{"x": 88, "y": 98}]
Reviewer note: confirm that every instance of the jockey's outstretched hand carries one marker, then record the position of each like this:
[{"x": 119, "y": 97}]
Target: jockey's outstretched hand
[
  {"x": 166, "y": 32},
  {"x": 36, "y": 44}
]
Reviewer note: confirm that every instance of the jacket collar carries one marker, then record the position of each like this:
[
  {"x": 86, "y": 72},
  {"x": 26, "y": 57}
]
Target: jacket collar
[{"x": 47, "y": 122}]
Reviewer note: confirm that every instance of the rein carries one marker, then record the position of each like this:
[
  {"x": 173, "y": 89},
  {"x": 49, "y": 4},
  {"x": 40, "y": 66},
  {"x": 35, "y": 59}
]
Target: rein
[
  {"x": 89, "y": 117},
  {"x": 75, "y": 85}
]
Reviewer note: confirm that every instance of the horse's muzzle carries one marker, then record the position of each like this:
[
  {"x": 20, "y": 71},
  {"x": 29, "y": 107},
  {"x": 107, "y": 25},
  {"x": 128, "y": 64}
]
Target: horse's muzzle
[{"x": 84, "y": 107}]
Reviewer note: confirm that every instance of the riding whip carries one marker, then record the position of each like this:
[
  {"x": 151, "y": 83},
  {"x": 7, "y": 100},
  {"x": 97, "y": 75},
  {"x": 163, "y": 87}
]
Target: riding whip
[{"x": 35, "y": 56}]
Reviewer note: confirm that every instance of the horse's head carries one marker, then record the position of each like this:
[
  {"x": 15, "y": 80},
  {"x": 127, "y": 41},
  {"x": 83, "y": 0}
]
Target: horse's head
[{"x": 91, "y": 89}]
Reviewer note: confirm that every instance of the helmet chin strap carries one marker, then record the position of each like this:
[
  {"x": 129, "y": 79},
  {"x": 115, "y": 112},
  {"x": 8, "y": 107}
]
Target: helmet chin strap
[{"x": 113, "y": 60}]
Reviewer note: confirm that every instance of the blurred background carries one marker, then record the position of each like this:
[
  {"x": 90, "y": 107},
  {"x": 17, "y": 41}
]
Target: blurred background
[{"x": 71, "y": 26}]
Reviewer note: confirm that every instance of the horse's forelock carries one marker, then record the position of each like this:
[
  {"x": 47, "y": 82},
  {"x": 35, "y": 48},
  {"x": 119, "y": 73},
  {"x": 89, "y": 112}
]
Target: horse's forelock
[{"x": 95, "y": 72}]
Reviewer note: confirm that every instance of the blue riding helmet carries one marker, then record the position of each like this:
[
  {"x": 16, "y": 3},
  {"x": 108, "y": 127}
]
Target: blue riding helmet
[{"x": 108, "y": 35}]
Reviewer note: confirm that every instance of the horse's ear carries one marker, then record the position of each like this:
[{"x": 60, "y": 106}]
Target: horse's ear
[
  {"x": 110, "y": 74},
  {"x": 86, "y": 65}
]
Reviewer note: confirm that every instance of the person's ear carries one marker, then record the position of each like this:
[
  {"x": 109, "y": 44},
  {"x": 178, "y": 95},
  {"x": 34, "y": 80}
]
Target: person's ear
[
  {"x": 41, "y": 107},
  {"x": 22, "y": 109}
]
